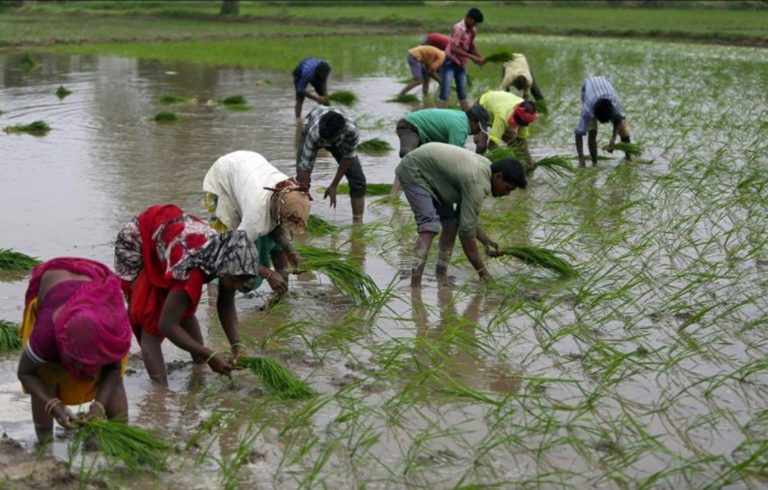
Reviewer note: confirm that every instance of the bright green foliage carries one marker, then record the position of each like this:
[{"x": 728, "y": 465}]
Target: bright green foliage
[
  {"x": 10, "y": 338},
  {"x": 135, "y": 447},
  {"x": 165, "y": 116},
  {"x": 346, "y": 276},
  {"x": 499, "y": 56},
  {"x": 405, "y": 98},
  {"x": 344, "y": 97},
  {"x": 13, "y": 261},
  {"x": 277, "y": 378},
  {"x": 62, "y": 92},
  {"x": 556, "y": 164},
  {"x": 540, "y": 257},
  {"x": 168, "y": 99},
  {"x": 318, "y": 226},
  {"x": 631, "y": 149},
  {"x": 502, "y": 152},
  {"x": 370, "y": 189},
  {"x": 374, "y": 146},
  {"x": 35, "y": 128}
]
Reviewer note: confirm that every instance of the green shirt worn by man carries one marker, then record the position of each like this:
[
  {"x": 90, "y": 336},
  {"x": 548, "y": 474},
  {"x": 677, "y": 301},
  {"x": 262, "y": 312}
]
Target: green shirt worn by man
[
  {"x": 452, "y": 176},
  {"x": 441, "y": 125}
]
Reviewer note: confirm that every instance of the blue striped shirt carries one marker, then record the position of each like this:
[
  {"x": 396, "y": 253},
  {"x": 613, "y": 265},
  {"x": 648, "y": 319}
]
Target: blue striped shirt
[
  {"x": 306, "y": 73},
  {"x": 594, "y": 89},
  {"x": 346, "y": 146}
]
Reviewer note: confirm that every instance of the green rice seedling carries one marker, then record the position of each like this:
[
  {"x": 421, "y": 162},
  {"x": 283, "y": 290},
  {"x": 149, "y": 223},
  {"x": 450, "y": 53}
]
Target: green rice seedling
[
  {"x": 133, "y": 446},
  {"x": 541, "y": 106},
  {"x": 28, "y": 62},
  {"x": 35, "y": 128},
  {"x": 346, "y": 276},
  {"x": 62, "y": 92},
  {"x": 277, "y": 378},
  {"x": 556, "y": 164},
  {"x": 13, "y": 261},
  {"x": 501, "y": 152},
  {"x": 165, "y": 116},
  {"x": 235, "y": 103},
  {"x": 318, "y": 226},
  {"x": 405, "y": 99},
  {"x": 631, "y": 149},
  {"x": 10, "y": 338},
  {"x": 376, "y": 146},
  {"x": 370, "y": 189},
  {"x": 499, "y": 56},
  {"x": 168, "y": 99},
  {"x": 343, "y": 97},
  {"x": 540, "y": 257}
]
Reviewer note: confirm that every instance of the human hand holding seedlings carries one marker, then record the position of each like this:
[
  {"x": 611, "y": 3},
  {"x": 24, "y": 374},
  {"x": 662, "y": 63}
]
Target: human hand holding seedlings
[
  {"x": 277, "y": 282},
  {"x": 96, "y": 411},
  {"x": 330, "y": 193},
  {"x": 219, "y": 364},
  {"x": 62, "y": 414}
]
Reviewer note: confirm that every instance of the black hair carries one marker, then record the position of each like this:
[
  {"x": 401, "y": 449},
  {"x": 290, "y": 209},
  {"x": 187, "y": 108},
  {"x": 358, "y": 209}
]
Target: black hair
[
  {"x": 520, "y": 82},
  {"x": 604, "y": 110},
  {"x": 511, "y": 170},
  {"x": 331, "y": 124},
  {"x": 323, "y": 69},
  {"x": 474, "y": 13}
]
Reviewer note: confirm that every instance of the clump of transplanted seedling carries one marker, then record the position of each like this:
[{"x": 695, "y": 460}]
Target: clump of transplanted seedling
[
  {"x": 502, "y": 152},
  {"x": 28, "y": 62},
  {"x": 170, "y": 99},
  {"x": 277, "y": 378},
  {"x": 376, "y": 146},
  {"x": 343, "y": 97},
  {"x": 318, "y": 226},
  {"x": 35, "y": 128},
  {"x": 62, "y": 91},
  {"x": 631, "y": 149},
  {"x": 541, "y": 258},
  {"x": 346, "y": 276},
  {"x": 165, "y": 117},
  {"x": 13, "y": 261},
  {"x": 405, "y": 99},
  {"x": 234, "y": 103},
  {"x": 10, "y": 338},
  {"x": 556, "y": 164},
  {"x": 135, "y": 447},
  {"x": 499, "y": 56},
  {"x": 370, "y": 189}
]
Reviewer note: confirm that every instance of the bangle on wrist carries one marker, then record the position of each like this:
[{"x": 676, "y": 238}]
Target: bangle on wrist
[
  {"x": 51, "y": 404},
  {"x": 213, "y": 354},
  {"x": 237, "y": 345},
  {"x": 100, "y": 406}
]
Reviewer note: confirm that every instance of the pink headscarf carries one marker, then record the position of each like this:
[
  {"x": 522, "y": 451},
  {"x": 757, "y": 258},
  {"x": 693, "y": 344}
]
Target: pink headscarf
[
  {"x": 522, "y": 114},
  {"x": 92, "y": 328}
]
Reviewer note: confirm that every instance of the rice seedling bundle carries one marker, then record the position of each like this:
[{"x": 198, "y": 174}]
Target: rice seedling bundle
[
  {"x": 13, "y": 261},
  {"x": 499, "y": 56},
  {"x": 35, "y": 128},
  {"x": 370, "y": 189},
  {"x": 165, "y": 116},
  {"x": 167, "y": 99},
  {"x": 375, "y": 146},
  {"x": 631, "y": 149},
  {"x": 347, "y": 277},
  {"x": 10, "y": 338},
  {"x": 62, "y": 92},
  {"x": 502, "y": 152},
  {"x": 344, "y": 97},
  {"x": 540, "y": 257},
  {"x": 134, "y": 446},
  {"x": 235, "y": 103},
  {"x": 405, "y": 99},
  {"x": 28, "y": 62},
  {"x": 556, "y": 164},
  {"x": 277, "y": 378},
  {"x": 318, "y": 226}
]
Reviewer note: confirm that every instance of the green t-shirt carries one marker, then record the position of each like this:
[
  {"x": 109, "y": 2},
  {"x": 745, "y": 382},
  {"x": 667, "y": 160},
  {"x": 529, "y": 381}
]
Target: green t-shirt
[
  {"x": 440, "y": 125},
  {"x": 452, "y": 176}
]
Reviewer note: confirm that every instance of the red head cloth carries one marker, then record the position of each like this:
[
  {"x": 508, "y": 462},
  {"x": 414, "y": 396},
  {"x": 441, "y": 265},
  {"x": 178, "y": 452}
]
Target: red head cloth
[
  {"x": 92, "y": 328},
  {"x": 522, "y": 114}
]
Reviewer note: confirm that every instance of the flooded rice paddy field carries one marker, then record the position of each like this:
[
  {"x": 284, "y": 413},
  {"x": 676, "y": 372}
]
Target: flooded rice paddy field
[{"x": 648, "y": 370}]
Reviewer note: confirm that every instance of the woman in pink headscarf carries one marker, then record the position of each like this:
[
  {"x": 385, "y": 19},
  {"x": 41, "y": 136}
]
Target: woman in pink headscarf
[{"x": 76, "y": 339}]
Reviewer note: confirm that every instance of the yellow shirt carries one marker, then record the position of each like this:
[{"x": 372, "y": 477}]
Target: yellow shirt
[
  {"x": 429, "y": 56},
  {"x": 500, "y": 105}
]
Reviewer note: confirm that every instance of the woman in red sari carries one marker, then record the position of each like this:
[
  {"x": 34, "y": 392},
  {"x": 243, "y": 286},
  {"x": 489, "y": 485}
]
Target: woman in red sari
[{"x": 164, "y": 257}]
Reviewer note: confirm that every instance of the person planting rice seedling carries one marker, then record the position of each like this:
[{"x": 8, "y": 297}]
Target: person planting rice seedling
[
  {"x": 600, "y": 103},
  {"x": 331, "y": 128},
  {"x": 460, "y": 49},
  {"x": 76, "y": 338},
  {"x": 246, "y": 192},
  {"x": 437, "y": 176},
  {"x": 510, "y": 118},
  {"x": 438, "y": 125},
  {"x": 517, "y": 73},
  {"x": 425, "y": 63},
  {"x": 164, "y": 257},
  {"x": 311, "y": 71}
]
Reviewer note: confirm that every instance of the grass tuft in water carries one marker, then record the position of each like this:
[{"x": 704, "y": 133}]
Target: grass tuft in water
[
  {"x": 277, "y": 378},
  {"x": 28, "y": 62},
  {"x": 370, "y": 189},
  {"x": 13, "y": 261},
  {"x": 374, "y": 146},
  {"x": 318, "y": 226},
  {"x": 10, "y": 338},
  {"x": 556, "y": 164},
  {"x": 35, "y": 128},
  {"x": 631, "y": 149},
  {"x": 346, "y": 276},
  {"x": 165, "y": 116},
  {"x": 405, "y": 99},
  {"x": 499, "y": 56},
  {"x": 133, "y": 446},
  {"x": 343, "y": 97},
  {"x": 62, "y": 91},
  {"x": 168, "y": 99},
  {"x": 235, "y": 103},
  {"x": 540, "y": 257}
]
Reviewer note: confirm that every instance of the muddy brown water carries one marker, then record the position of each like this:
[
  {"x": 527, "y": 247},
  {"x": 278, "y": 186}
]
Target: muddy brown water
[{"x": 69, "y": 192}]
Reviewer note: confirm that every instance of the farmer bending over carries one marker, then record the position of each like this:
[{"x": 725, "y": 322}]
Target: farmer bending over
[
  {"x": 311, "y": 71},
  {"x": 600, "y": 102},
  {"x": 425, "y": 63},
  {"x": 437, "y": 176},
  {"x": 516, "y": 73},
  {"x": 76, "y": 339},
  {"x": 331, "y": 128},
  {"x": 510, "y": 117}
]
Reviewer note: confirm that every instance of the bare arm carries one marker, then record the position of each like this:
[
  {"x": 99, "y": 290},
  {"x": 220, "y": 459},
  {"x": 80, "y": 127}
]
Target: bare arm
[
  {"x": 344, "y": 165},
  {"x": 592, "y": 145},
  {"x": 470, "y": 250},
  {"x": 580, "y": 150},
  {"x": 491, "y": 247},
  {"x": 28, "y": 375}
]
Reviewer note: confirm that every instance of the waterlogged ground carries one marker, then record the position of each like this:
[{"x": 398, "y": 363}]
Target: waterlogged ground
[{"x": 647, "y": 371}]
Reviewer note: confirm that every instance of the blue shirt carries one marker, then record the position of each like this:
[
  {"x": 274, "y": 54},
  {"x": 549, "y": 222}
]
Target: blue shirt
[
  {"x": 594, "y": 89},
  {"x": 346, "y": 146},
  {"x": 306, "y": 73}
]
